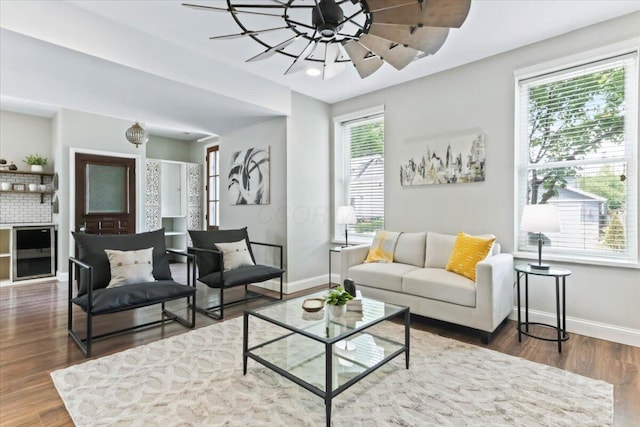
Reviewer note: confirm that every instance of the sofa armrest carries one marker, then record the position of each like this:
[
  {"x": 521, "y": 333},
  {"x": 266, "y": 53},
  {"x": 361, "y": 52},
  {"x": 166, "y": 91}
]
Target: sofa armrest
[
  {"x": 494, "y": 282},
  {"x": 350, "y": 256}
]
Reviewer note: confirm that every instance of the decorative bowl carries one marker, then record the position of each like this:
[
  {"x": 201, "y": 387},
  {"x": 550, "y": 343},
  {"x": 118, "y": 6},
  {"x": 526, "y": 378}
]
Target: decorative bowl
[
  {"x": 33, "y": 187},
  {"x": 312, "y": 305}
]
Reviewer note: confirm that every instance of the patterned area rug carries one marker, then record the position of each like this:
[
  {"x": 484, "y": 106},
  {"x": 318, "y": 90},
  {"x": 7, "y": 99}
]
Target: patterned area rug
[{"x": 195, "y": 379}]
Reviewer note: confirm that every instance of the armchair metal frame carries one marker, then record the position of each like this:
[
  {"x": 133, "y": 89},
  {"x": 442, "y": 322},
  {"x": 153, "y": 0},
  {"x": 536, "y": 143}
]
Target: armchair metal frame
[
  {"x": 167, "y": 316},
  {"x": 250, "y": 295}
]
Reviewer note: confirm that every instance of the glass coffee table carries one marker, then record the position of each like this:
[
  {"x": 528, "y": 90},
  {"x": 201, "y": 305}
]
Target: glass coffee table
[{"x": 324, "y": 354}]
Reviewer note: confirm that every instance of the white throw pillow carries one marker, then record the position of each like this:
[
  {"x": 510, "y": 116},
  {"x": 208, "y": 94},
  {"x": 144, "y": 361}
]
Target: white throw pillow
[
  {"x": 130, "y": 267},
  {"x": 235, "y": 254}
]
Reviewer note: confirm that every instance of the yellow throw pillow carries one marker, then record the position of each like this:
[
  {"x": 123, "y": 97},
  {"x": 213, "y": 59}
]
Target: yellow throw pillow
[
  {"x": 467, "y": 252},
  {"x": 383, "y": 246}
]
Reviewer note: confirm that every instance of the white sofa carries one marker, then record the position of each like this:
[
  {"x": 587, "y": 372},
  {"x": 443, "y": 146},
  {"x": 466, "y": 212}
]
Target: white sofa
[{"x": 417, "y": 278}]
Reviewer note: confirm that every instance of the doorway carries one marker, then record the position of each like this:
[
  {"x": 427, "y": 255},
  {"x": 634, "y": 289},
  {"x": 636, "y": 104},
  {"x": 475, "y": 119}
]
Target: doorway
[{"x": 105, "y": 194}]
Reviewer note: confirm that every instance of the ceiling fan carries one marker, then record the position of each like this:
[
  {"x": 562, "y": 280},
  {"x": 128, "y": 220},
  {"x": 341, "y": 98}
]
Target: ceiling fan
[{"x": 324, "y": 35}]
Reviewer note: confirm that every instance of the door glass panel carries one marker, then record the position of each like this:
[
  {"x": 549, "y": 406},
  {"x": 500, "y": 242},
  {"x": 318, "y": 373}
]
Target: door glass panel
[{"x": 106, "y": 189}]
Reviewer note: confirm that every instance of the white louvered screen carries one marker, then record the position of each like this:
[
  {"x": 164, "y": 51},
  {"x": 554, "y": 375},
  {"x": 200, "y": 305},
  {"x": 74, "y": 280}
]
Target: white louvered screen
[
  {"x": 578, "y": 150},
  {"x": 363, "y": 162}
]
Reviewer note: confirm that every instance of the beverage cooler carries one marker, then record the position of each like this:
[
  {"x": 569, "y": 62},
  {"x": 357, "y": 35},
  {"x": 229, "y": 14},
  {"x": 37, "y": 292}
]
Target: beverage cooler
[{"x": 33, "y": 252}]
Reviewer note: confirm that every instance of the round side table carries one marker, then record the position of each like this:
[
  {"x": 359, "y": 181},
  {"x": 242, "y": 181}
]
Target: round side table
[{"x": 561, "y": 319}]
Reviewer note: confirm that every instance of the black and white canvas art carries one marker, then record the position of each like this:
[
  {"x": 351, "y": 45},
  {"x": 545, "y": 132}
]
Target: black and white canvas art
[
  {"x": 444, "y": 160},
  {"x": 249, "y": 177}
]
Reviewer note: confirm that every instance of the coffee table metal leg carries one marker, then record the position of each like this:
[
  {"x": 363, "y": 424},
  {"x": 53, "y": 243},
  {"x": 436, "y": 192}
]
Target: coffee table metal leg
[
  {"x": 245, "y": 343},
  {"x": 558, "y": 314},
  {"x": 407, "y": 336},
  {"x": 328, "y": 391},
  {"x": 526, "y": 302},
  {"x": 519, "y": 320}
]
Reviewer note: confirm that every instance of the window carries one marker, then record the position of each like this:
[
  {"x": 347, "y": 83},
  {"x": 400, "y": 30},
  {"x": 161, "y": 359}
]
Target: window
[
  {"x": 213, "y": 188},
  {"x": 576, "y": 135},
  {"x": 359, "y": 172}
]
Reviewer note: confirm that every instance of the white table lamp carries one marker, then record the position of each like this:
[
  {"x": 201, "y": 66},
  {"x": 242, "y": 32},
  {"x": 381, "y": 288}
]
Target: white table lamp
[
  {"x": 540, "y": 219},
  {"x": 346, "y": 215}
]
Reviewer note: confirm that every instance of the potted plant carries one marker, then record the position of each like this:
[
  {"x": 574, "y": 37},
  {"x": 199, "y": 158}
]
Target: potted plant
[
  {"x": 36, "y": 161},
  {"x": 337, "y": 300}
]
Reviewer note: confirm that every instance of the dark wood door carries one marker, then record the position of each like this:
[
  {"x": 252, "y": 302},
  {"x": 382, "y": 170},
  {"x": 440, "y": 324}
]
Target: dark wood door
[{"x": 105, "y": 194}]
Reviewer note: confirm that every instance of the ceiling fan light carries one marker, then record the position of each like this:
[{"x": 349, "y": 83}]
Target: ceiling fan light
[
  {"x": 313, "y": 72},
  {"x": 137, "y": 135}
]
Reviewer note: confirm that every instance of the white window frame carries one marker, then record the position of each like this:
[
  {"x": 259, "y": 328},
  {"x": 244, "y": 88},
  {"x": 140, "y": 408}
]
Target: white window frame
[
  {"x": 338, "y": 168},
  {"x": 521, "y": 153}
]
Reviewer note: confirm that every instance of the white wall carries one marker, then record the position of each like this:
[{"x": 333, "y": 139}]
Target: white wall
[
  {"x": 481, "y": 95},
  {"x": 22, "y": 134},
  {"x": 308, "y": 184},
  {"x": 265, "y": 223},
  {"x": 160, "y": 147}
]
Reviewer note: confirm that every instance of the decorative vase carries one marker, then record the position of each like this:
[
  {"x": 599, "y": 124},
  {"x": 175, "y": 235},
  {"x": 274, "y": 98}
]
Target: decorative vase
[
  {"x": 36, "y": 168},
  {"x": 337, "y": 310}
]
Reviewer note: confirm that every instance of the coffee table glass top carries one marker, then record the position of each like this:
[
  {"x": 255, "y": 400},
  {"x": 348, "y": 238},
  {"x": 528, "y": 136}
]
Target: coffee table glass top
[{"x": 320, "y": 325}]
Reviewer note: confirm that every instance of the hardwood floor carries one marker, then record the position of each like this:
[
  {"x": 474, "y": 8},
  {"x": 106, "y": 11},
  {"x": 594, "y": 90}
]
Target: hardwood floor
[{"x": 34, "y": 342}]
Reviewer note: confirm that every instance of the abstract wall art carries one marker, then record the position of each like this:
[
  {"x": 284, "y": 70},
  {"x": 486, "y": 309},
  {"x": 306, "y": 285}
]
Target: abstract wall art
[
  {"x": 249, "y": 177},
  {"x": 451, "y": 159}
]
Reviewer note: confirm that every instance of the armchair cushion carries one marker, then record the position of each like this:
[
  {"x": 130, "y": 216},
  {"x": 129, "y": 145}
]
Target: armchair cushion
[
  {"x": 91, "y": 250},
  {"x": 130, "y": 267},
  {"x": 208, "y": 262},
  {"x": 236, "y": 254},
  {"x": 110, "y": 300},
  {"x": 241, "y": 276}
]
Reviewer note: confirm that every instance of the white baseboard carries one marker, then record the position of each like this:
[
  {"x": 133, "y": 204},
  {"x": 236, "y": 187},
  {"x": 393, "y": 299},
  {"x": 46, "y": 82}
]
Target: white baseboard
[
  {"x": 62, "y": 276},
  {"x": 585, "y": 327},
  {"x": 304, "y": 284},
  {"x": 291, "y": 287}
]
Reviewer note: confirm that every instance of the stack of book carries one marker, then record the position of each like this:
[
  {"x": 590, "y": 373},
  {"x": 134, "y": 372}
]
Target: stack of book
[{"x": 356, "y": 303}]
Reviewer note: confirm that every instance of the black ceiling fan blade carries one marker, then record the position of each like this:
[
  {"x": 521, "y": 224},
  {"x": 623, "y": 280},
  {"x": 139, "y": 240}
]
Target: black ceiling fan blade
[
  {"x": 430, "y": 13},
  {"x": 224, "y": 9},
  {"x": 395, "y": 54},
  {"x": 363, "y": 60},
  {"x": 426, "y": 39},
  {"x": 272, "y": 50}
]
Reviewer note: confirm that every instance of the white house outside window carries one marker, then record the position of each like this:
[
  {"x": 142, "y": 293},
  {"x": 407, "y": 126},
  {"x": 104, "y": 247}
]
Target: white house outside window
[
  {"x": 359, "y": 173},
  {"x": 576, "y": 132}
]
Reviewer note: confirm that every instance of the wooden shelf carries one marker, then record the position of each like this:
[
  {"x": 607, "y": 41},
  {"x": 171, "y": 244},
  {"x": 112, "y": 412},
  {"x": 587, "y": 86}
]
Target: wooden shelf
[
  {"x": 27, "y": 172},
  {"x": 26, "y": 191}
]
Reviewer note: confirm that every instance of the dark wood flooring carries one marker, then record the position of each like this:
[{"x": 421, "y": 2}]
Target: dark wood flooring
[{"x": 34, "y": 342}]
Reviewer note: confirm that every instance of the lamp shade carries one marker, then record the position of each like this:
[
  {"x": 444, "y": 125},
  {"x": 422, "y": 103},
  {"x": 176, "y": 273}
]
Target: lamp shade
[
  {"x": 345, "y": 215},
  {"x": 540, "y": 219}
]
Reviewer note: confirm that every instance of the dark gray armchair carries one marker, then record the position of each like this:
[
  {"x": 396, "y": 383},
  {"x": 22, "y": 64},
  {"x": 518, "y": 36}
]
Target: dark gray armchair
[
  {"x": 93, "y": 276},
  {"x": 211, "y": 272}
]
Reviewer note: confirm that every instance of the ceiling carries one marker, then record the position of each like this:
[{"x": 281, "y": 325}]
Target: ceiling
[{"x": 89, "y": 81}]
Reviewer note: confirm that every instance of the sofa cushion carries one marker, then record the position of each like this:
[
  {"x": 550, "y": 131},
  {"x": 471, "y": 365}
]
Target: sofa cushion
[
  {"x": 441, "y": 285},
  {"x": 380, "y": 275},
  {"x": 383, "y": 246},
  {"x": 410, "y": 249},
  {"x": 439, "y": 247},
  {"x": 467, "y": 252}
]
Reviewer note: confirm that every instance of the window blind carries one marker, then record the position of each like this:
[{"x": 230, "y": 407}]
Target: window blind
[
  {"x": 578, "y": 150},
  {"x": 363, "y": 162}
]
